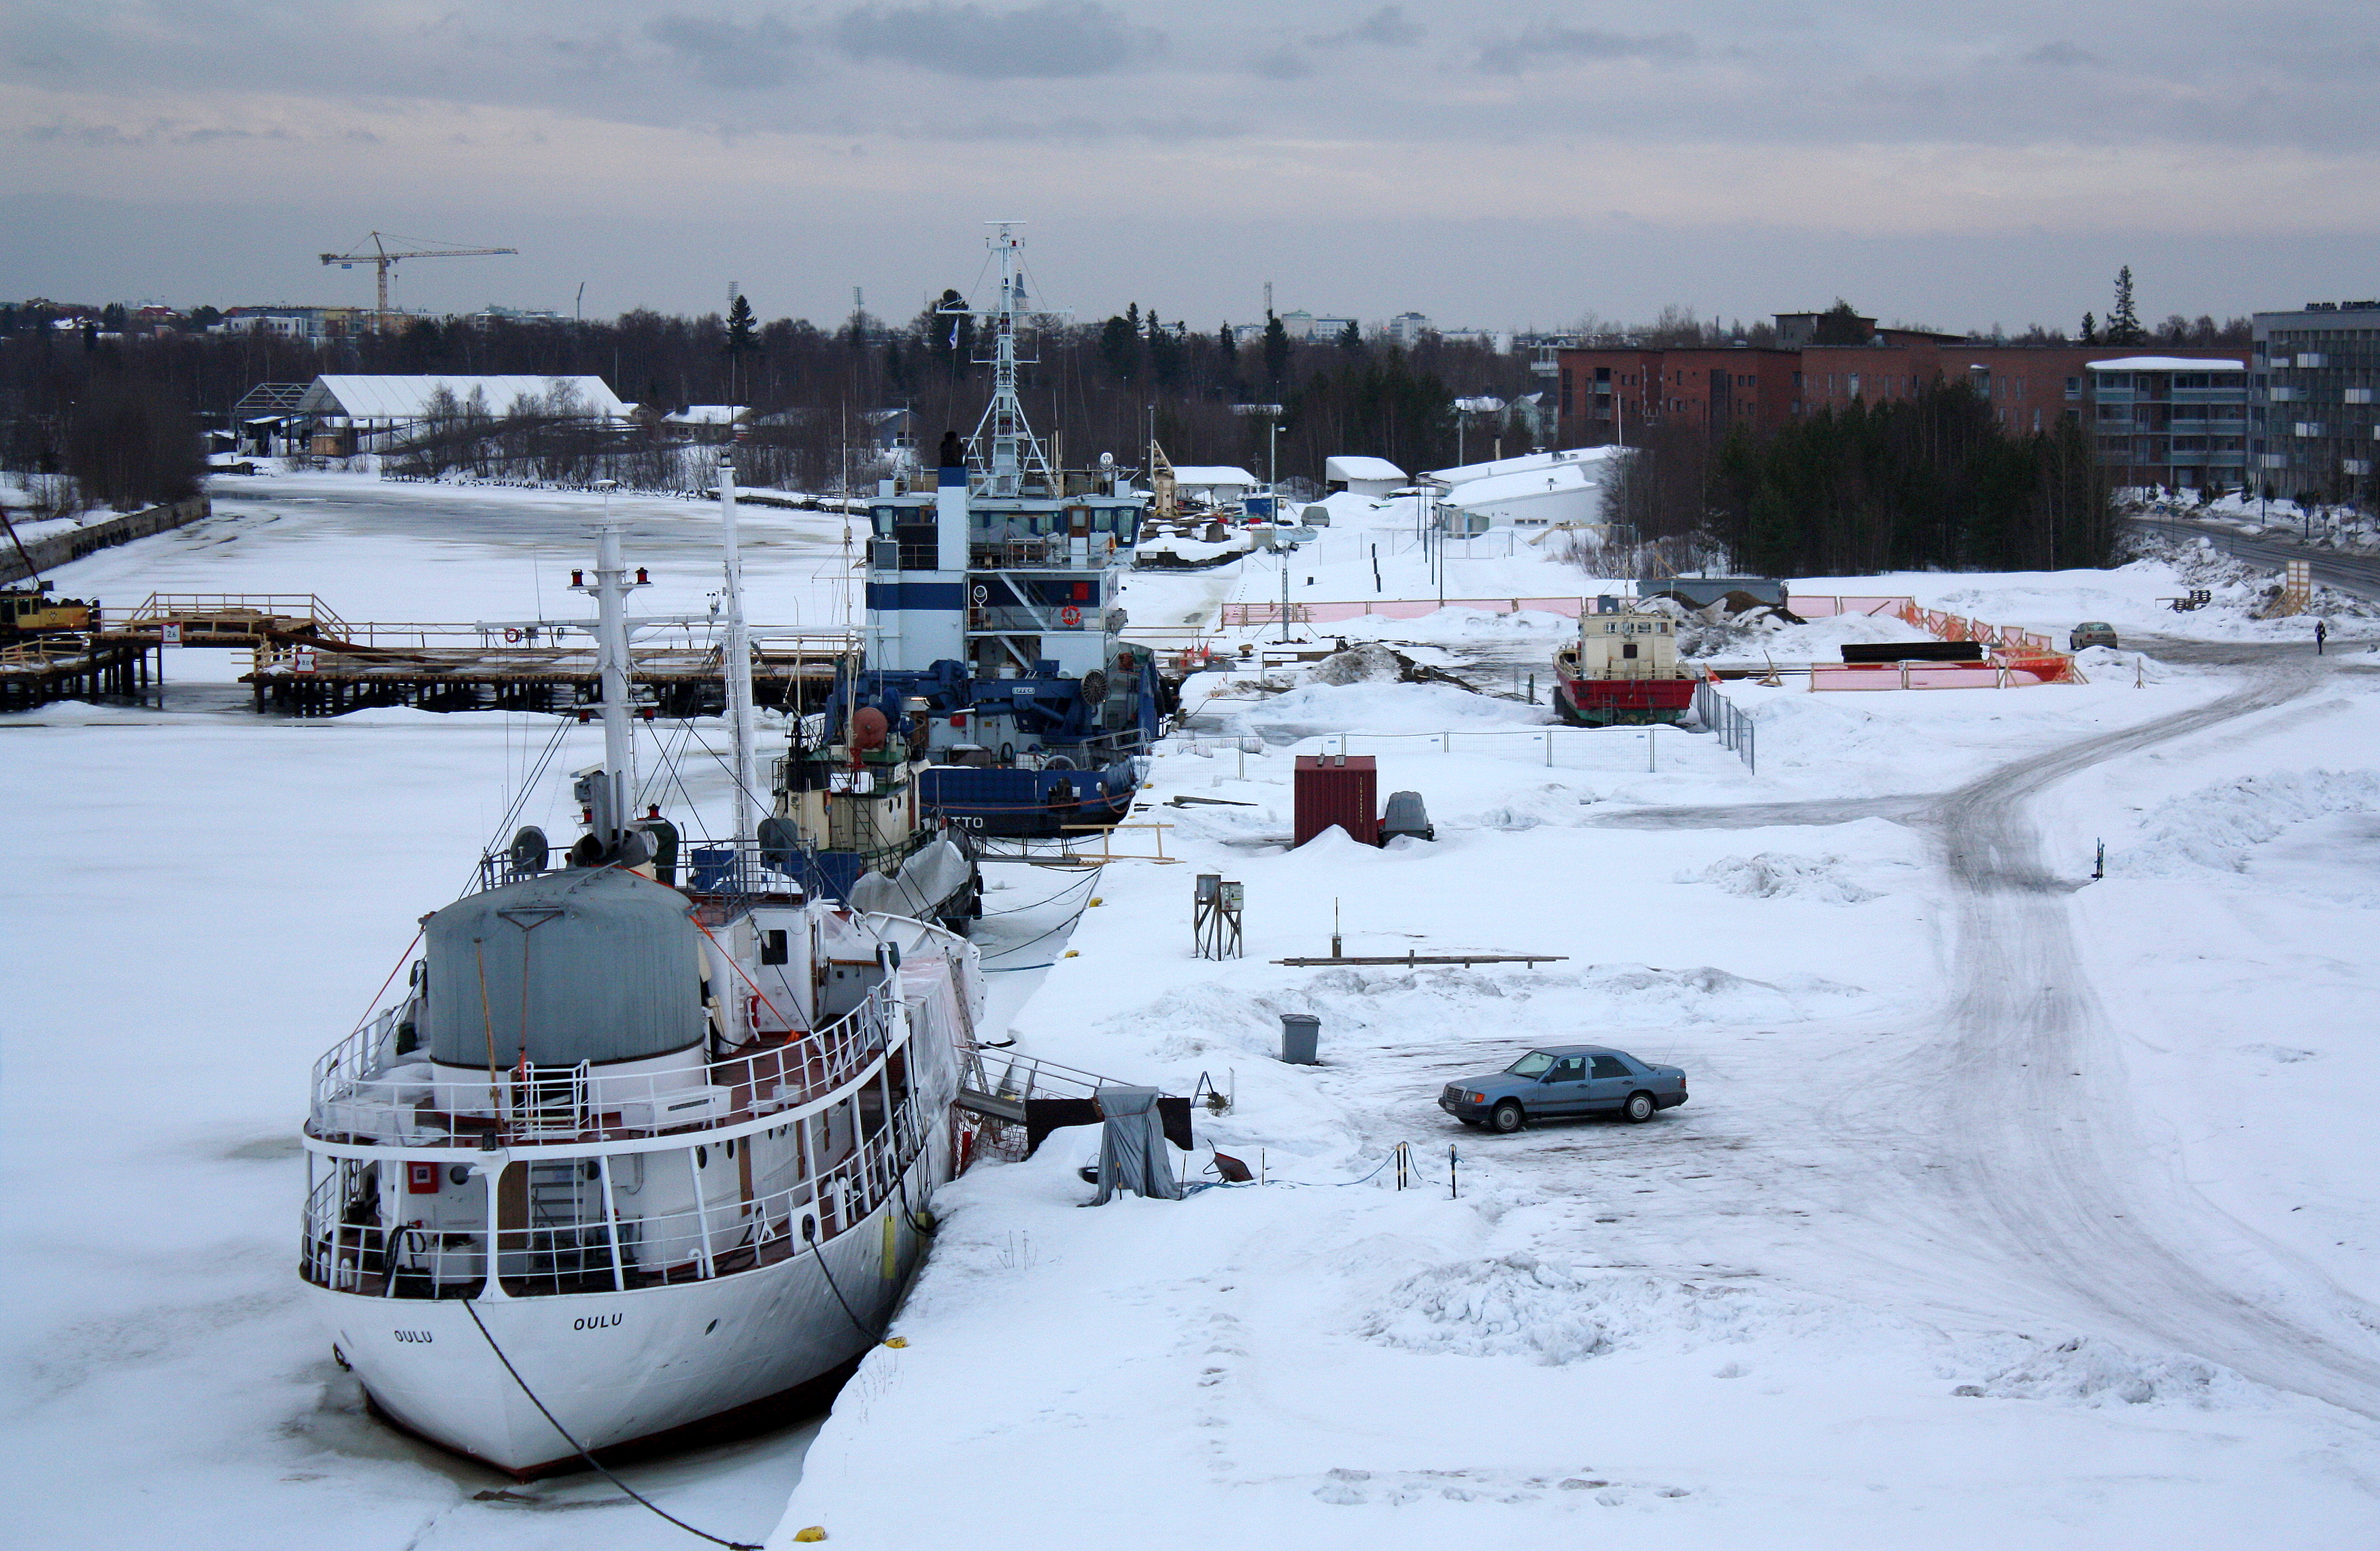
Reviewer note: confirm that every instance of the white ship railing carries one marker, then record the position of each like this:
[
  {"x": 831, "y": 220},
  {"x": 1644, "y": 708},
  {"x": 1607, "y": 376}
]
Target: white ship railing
[
  {"x": 614, "y": 1250},
  {"x": 365, "y": 1091}
]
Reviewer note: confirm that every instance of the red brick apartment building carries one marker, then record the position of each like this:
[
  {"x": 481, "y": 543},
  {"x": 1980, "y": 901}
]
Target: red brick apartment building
[{"x": 1608, "y": 393}]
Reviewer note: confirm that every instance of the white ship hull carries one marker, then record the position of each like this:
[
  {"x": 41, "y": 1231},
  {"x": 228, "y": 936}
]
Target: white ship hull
[{"x": 623, "y": 1369}]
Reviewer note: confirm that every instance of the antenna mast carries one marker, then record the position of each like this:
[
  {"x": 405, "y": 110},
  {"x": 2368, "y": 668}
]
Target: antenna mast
[
  {"x": 738, "y": 653},
  {"x": 1003, "y": 449}
]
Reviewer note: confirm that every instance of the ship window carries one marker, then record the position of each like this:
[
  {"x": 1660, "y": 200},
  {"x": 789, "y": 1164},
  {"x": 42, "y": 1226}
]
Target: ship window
[
  {"x": 773, "y": 947},
  {"x": 1628, "y": 648}
]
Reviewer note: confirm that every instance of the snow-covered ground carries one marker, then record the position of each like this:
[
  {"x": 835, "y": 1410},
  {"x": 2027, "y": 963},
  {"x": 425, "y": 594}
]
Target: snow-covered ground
[{"x": 2011, "y": 1207}]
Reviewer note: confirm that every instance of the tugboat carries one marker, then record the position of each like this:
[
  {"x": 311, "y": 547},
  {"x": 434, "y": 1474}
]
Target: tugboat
[
  {"x": 994, "y": 632},
  {"x": 628, "y": 1163},
  {"x": 848, "y": 824},
  {"x": 1621, "y": 670}
]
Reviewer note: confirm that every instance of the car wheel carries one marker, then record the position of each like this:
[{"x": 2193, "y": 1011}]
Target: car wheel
[
  {"x": 1507, "y": 1118},
  {"x": 1638, "y": 1109}
]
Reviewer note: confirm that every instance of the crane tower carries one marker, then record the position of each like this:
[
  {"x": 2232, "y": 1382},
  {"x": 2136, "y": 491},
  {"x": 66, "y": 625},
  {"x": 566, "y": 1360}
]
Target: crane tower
[{"x": 374, "y": 250}]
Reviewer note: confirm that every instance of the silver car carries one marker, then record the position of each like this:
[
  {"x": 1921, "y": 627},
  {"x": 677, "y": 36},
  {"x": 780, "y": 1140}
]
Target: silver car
[{"x": 1557, "y": 1080}]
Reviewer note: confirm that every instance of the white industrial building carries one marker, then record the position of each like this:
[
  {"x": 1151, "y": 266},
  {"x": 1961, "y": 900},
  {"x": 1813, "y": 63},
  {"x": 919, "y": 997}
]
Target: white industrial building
[
  {"x": 1362, "y": 476},
  {"x": 1542, "y": 489},
  {"x": 365, "y": 413},
  {"x": 1217, "y": 484}
]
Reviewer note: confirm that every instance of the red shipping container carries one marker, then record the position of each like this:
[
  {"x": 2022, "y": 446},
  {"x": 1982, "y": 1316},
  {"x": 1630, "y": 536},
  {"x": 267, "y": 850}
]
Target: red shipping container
[{"x": 1339, "y": 789}]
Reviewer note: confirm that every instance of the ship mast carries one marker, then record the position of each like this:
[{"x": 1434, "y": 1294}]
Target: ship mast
[
  {"x": 618, "y": 777},
  {"x": 1003, "y": 449},
  {"x": 738, "y": 654}
]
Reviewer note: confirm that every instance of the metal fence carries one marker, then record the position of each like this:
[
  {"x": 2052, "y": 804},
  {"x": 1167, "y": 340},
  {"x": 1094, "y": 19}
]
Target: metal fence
[{"x": 1735, "y": 728}]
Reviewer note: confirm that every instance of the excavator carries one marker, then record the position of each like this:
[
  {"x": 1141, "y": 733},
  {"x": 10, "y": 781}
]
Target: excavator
[{"x": 29, "y": 611}]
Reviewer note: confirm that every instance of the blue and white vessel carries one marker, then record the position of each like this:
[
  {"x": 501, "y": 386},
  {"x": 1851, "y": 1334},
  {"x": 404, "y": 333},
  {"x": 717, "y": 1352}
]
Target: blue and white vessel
[{"x": 994, "y": 627}]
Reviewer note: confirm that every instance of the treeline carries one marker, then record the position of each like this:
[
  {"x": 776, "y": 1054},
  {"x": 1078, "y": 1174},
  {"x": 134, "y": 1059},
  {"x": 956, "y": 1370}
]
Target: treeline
[
  {"x": 1091, "y": 388},
  {"x": 87, "y": 425},
  {"x": 1929, "y": 482}
]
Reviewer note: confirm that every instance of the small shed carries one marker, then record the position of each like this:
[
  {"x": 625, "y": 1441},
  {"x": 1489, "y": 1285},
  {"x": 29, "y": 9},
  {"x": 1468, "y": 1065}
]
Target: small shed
[{"x": 1362, "y": 476}]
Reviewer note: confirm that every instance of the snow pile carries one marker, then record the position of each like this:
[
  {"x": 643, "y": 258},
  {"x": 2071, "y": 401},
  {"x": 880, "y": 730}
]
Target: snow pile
[
  {"x": 2222, "y": 826},
  {"x": 1366, "y": 663},
  {"x": 1518, "y": 1306},
  {"x": 2085, "y": 1371},
  {"x": 1775, "y": 874},
  {"x": 2241, "y": 588}
]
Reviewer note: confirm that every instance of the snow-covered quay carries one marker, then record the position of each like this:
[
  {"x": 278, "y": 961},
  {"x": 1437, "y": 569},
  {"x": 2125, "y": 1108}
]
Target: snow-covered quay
[{"x": 2011, "y": 1207}]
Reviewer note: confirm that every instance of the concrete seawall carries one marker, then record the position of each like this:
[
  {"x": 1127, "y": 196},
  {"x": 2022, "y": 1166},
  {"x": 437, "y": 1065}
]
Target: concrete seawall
[{"x": 54, "y": 550}]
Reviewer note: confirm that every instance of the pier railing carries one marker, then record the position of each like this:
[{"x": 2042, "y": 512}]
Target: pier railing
[{"x": 366, "y": 1091}]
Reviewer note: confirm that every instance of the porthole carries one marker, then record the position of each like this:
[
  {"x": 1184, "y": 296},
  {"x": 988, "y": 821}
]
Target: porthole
[{"x": 701, "y": 1157}]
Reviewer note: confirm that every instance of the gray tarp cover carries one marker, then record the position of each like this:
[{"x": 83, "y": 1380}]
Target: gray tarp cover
[
  {"x": 933, "y": 875},
  {"x": 1132, "y": 1147}
]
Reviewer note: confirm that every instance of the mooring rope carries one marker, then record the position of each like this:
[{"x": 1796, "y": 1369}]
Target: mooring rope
[{"x": 580, "y": 1449}]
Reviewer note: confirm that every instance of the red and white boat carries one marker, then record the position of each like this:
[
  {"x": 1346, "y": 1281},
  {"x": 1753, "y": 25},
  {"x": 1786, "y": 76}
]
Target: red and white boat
[{"x": 1622, "y": 670}]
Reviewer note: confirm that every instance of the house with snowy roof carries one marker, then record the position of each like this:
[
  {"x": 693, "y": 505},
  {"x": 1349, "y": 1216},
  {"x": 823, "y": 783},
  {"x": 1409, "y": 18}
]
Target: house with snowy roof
[{"x": 1362, "y": 476}]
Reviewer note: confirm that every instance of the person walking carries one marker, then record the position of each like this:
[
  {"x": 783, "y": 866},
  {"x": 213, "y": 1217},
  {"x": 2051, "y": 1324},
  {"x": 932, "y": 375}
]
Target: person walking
[{"x": 2321, "y": 634}]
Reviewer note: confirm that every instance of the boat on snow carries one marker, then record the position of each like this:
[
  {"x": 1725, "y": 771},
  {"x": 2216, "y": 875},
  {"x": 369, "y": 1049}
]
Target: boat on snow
[{"x": 1622, "y": 668}]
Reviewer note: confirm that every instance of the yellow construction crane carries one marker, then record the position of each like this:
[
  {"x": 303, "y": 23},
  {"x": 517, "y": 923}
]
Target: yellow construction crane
[{"x": 382, "y": 257}]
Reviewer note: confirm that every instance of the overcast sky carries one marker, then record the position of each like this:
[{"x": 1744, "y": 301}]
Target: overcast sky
[{"x": 1489, "y": 164}]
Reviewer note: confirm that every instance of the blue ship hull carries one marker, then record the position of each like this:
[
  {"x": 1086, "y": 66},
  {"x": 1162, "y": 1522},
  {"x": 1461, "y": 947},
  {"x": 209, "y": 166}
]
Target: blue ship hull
[{"x": 1029, "y": 802}]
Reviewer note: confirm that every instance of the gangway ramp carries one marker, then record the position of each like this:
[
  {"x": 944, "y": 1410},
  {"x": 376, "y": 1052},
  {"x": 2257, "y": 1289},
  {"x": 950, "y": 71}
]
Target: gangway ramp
[{"x": 1035, "y": 1096}]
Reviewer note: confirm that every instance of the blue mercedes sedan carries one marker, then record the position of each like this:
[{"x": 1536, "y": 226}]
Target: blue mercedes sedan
[{"x": 1565, "y": 1079}]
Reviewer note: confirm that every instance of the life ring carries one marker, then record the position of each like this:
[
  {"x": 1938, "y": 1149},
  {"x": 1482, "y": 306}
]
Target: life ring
[
  {"x": 1070, "y": 617},
  {"x": 511, "y": 633}
]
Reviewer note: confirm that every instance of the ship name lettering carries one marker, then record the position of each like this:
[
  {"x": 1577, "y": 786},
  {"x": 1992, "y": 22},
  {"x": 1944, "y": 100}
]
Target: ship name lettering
[
  {"x": 595, "y": 1322},
  {"x": 419, "y": 1338}
]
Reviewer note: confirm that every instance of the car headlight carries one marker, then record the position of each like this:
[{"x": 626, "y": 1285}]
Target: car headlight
[{"x": 1478, "y": 1098}]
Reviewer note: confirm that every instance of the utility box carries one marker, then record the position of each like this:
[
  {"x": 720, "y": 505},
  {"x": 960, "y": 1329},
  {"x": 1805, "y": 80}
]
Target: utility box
[
  {"x": 1301, "y": 1034},
  {"x": 1342, "y": 789}
]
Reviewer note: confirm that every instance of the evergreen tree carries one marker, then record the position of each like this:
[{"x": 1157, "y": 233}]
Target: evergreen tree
[
  {"x": 948, "y": 330},
  {"x": 1839, "y": 325},
  {"x": 1350, "y": 337},
  {"x": 2123, "y": 323},
  {"x": 1120, "y": 345},
  {"x": 2090, "y": 329},
  {"x": 743, "y": 340},
  {"x": 1276, "y": 350}
]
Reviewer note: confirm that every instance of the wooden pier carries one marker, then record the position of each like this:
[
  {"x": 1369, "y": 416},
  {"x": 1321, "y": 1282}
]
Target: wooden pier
[
  {"x": 329, "y": 680},
  {"x": 72, "y": 668},
  {"x": 306, "y": 661}
]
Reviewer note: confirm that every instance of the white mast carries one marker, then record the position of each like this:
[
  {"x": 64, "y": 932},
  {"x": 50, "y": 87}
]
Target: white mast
[
  {"x": 610, "y": 591},
  {"x": 1003, "y": 448},
  {"x": 738, "y": 654}
]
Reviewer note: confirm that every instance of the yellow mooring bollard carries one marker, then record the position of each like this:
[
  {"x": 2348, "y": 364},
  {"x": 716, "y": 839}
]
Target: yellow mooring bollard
[{"x": 815, "y": 1533}]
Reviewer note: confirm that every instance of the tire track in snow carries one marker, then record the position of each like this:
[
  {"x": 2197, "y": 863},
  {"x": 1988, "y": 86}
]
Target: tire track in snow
[
  {"x": 2026, "y": 1035},
  {"x": 2043, "y": 1159}
]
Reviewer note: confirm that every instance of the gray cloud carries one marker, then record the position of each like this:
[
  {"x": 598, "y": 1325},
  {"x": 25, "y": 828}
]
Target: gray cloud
[
  {"x": 1549, "y": 44},
  {"x": 1389, "y": 28},
  {"x": 728, "y": 54},
  {"x": 1283, "y": 64},
  {"x": 1057, "y": 38},
  {"x": 2062, "y": 53}
]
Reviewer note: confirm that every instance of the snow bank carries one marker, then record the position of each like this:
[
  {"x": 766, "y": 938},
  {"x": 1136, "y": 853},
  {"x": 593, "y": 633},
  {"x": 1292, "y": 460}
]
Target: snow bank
[
  {"x": 1776, "y": 874},
  {"x": 2222, "y": 826}
]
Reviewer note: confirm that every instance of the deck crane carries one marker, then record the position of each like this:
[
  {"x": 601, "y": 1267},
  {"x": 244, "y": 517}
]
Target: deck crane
[{"x": 376, "y": 253}]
